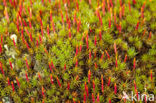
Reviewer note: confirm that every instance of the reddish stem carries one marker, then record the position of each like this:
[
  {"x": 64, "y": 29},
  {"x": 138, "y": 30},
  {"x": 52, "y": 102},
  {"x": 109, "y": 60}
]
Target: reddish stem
[
  {"x": 8, "y": 80},
  {"x": 1, "y": 68},
  {"x": 93, "y": 85},
  {"x": 151, "y": 76},
  {"x": 26, "y": 61},
  {"x": 134, "y": 63},
  {"x": 26, "y": 75},
  {"x": 115, "y": 88},
  {"x": 125, "y": 58},
  {"x": 10, "y": 64},
  {"x": 17, "y": 82},
  {"x": 109, "y": 80},
  {"x": 98, "y": 99},
  {"x": 95, "y": 40},
  {"x": 107, "y": 54},
  {"x": 64, "y": 66},
  {"x": 58, "y": 82},
  {"x": 13, "y": 88},
  {"x": 93, "y": 99},
  {"x": 86, "y": 89},
  {"x": 84, "y": 98},
  {"x": 68, "y": 86},
  {"x": 103, "y": 7}
]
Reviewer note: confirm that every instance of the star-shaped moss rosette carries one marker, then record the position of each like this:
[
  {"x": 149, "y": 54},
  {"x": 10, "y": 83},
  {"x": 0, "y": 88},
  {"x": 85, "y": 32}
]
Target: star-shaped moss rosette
[{"x": 77, "y": 51}]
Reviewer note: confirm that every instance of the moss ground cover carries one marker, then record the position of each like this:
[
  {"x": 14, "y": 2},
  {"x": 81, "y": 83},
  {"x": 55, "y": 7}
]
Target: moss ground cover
[{"x": 77, "y": 51}]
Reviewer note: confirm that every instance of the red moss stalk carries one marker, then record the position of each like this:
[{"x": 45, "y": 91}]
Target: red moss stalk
[
  {"x": 93, "y": 99},
  {"x": 52, "y": 65},
  {"x": 77, "y": 5},
  {"x": 116, "y": 62},
  {"x": 76, "y": 64},
  {"x": 142, "y": 12},
  {"x": 125, "y": 58},
  {"x": 78, "y": 25},
  {"x": 151, "y": 75},
  {"x": 77, "y": 50},
  {"x": 10, "y": 64},
  {"x": 24, "y": 23},
  {"x": 109, "y": 80},
  {"x": 62, "y": 17},
  {"x": 99, "y": 16},
  {"x": 98, "y": 99},
  {"x": 4, "y": 2},
  {"x": 45, "y": 50},
  {"x": 13, "y": 88},
  {"x": 29, "y": 23},
  {"x": 100, "y": 35},
  {"x": 1, "y": 48},
  {"x": 123, "y": 10},
  {"x": 107, "y": 54},
  {"x": 137, "y": 26},
  {"x": 90, "y": 1},
  {"x": 58, "y": 82},
  {"x": 17, "y": 82},
  {"x": 1, "y": 68},
  {"x": 48, "y": 30},
  {"x": 84, "y": 98},
  {"x": 115, "y": 88},
  {"x": 43, "y": 92},
  {"x": 120, "y": 13},
  {"x": 87, "y": 43},
  {"x": 89, "y": 75},
  {"x": 109, "y": 100},
  {"x": 39, "y": 76},
  {"x": 134, "y": 63},
  {"x": 108, "y": 5},
  {"x": 69, "y": 35},
  {"x": 68, "y": 86},
  {"x": 103, "y": 7},
  {"x": 115, "y": 17},
  {"x": 6, "y": 14},
  {"x": 115, "y": 50},
  {"x": 27, "y": 45},
  {"x": 93, "y": 85},
  {"x": 95, "y": 64},
  {"x": 95, "y": 40},
  {"x": 150, "y": 34},
  {"x": 102, "y": 56},
  {"x": 129, "y": 5},
  {"x": 111, "y": 3},
  {"x": 26, "y": 61},
  {"x": 86, "y": 89},
  {"x": 134, "y": 2},
  {"x": 74, "y": 21},
  {"x": 119, "y": 28},
  {"x": 30, "y": 36},
  {"x": 8, "y": 81},
  {"x": 135, "y": 85},
  {"x": 26, "y": 75},
  {"x": 64, "y": 66},
  {"x": 109, "y": 23}
]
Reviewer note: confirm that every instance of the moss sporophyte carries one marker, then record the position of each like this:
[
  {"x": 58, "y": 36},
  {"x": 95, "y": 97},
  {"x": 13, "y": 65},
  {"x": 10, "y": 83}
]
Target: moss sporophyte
[{"x": 77, "y": 51}]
